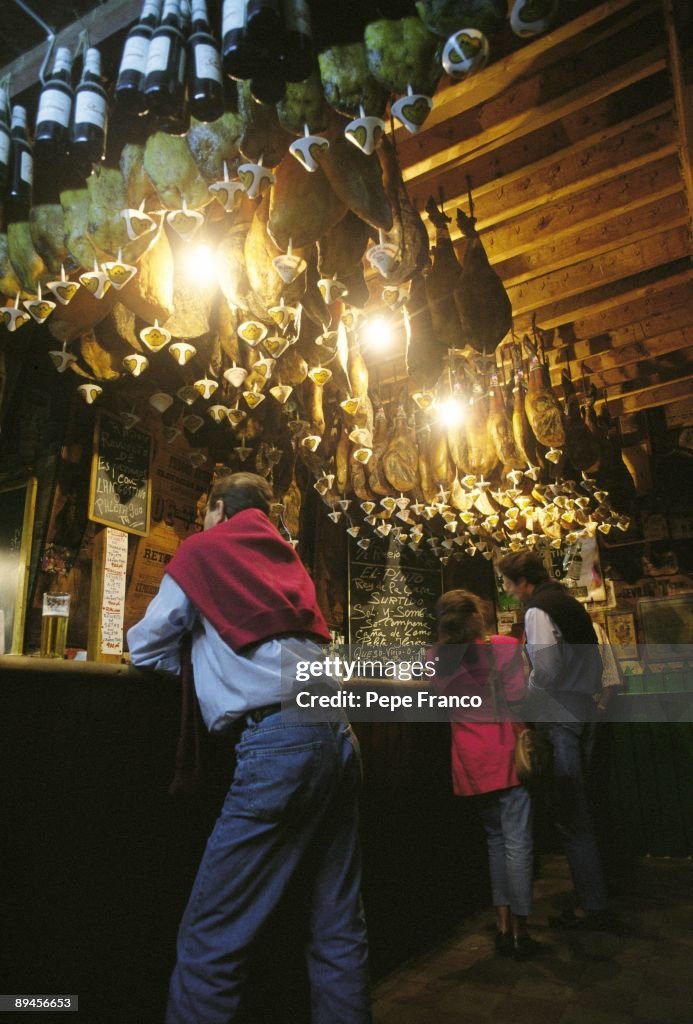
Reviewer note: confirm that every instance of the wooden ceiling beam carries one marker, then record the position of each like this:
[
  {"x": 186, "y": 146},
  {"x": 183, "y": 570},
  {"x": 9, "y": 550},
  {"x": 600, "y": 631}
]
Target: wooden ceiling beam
[
  {"x": 610, "y": 299},
  {"x": 653, "y": 251},
  {"x": 666, "y": 334},
  {"x": 643, "y": 299},
  {"x": 511, "y": 229},
  {"x": 506, "y": 109},
  {"x": 652, "y": 313},
  {"x": 554, "y": 159},
  {"x": 588, "y": 242},
  {"x": 683, "y": 99},
  {"x": 540, "y": 115},
  {"x": 451, "y": 100},
  {"x": 644, "y": 382},
  {"x": 647, "y": 370},
  {"x": 650, "y": 397},
  {"x": 625, "y": 355}
]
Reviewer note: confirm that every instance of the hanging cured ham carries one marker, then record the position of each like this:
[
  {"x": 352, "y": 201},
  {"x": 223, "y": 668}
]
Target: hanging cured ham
[
  {"x": 374, "y": 470},
  {"x": 501, "y": 429},
  {"x": 482, "y": 302},
  {"x": 424, "y": 354},
  {"x": 525, "y": 441},
  {"x": 400, "y": 462},
  {"x": 612, "y": 474},
  {"x": 481, "y": 452},
  {"x": 582, "y": 446},
  {"x": 442, "y": 280},
  {"x": 408, "y": 232},
  {"x": 543, "y": 411}
]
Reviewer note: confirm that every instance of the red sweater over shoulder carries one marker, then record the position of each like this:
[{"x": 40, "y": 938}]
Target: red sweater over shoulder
[{"x": 248, "y": 582}]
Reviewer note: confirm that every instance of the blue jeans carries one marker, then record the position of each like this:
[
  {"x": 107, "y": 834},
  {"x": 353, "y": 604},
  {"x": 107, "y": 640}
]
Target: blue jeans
[
  {"x": 292, "y": 802},
  {"x": 573, "y": 747},
  {"x": 507, "y": 818}
]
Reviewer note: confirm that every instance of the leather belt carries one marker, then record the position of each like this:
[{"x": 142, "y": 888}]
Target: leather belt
[{"x": 259, "y": 714}]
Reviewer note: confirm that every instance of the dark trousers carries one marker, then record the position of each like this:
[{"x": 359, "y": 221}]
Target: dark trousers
[
  {"x": 292, "y": 804},
  {"x": 570, "y": 807}
]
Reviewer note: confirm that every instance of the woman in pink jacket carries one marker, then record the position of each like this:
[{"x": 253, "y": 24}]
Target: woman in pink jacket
[{"x": 483, "y": 758}]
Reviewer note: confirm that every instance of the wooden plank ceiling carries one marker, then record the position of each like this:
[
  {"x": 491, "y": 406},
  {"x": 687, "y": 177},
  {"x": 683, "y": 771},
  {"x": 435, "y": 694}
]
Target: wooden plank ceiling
[{"x": 576, "y": 150}]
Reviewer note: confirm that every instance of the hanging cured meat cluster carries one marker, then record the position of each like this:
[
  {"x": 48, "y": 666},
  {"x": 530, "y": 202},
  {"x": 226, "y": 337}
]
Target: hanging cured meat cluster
[{"x": 219, "y": 277}]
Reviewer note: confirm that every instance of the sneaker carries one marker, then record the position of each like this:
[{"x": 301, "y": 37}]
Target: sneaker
[
  {"x": 504, "y": 943},
  {"x": 526, "y": 948}
]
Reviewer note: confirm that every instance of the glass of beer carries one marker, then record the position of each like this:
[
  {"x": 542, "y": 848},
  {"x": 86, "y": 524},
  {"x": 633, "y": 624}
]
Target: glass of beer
[{"x": 56, "y": 611}]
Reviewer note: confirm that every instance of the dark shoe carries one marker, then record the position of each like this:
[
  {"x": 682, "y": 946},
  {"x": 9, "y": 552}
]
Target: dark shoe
[
  {"x": 526, "y": 948},
  {"x": 504, "y": 943}
]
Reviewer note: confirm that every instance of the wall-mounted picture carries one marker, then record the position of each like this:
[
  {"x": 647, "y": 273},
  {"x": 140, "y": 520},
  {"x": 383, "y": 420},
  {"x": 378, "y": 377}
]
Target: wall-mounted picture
[
  {"x": 622, "y": 636},
  {"x": 17, "y": 503},
  {"x": 667, "y": 622}
]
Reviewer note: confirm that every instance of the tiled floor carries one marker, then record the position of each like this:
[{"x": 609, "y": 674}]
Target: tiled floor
[{"x": 643, "y": 975}]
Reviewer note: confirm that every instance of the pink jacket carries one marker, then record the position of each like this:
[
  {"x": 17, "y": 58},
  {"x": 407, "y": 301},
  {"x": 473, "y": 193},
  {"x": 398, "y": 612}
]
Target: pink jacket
[{"x": 483, "y": 752}]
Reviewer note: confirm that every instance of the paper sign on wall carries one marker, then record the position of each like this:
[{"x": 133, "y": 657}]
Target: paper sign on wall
[{"x": 113, "y": 602}]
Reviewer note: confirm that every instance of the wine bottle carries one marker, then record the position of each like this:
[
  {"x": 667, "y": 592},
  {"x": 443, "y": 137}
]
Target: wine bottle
[
  {"x": 88, "y": 131},
  {"x": 21, "y": 169},
  {"x": 128, "y": 88},
  {"x": 240, "y": 57},
  {"x": 206, "y": 85},
  {"x": 265, "y": 30},
  {"x": 298, "y": 59},
  {"x": 164, "y": 79},
  {"x": 4, "y": 142},
  {"x": 55, "y": 108},
  {"x": 265, "y": 25}
]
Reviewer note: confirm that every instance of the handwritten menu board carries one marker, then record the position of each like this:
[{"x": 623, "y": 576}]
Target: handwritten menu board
[
  {"x": 392, "y": 597},
  {"x": 120, "y": 491}
]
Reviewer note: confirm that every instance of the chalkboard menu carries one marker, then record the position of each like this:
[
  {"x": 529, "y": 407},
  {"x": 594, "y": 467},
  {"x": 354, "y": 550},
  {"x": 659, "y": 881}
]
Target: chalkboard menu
[
  {"x": 121, "y": 492},
  {"x": 392, "y": 597}
]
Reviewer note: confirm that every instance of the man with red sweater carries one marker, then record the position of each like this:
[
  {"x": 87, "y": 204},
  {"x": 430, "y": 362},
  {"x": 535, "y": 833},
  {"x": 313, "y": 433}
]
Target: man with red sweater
[{"x": 243, "y": 594}]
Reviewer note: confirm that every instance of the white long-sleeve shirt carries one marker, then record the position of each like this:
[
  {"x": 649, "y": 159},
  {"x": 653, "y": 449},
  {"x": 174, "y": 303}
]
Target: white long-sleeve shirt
[
  {"x": 228, "y": 684},
  {"x": 543, "y": 651}
]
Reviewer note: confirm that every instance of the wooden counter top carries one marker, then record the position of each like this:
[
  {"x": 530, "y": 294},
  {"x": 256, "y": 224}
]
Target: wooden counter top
[{"x": 60, "y": 666}]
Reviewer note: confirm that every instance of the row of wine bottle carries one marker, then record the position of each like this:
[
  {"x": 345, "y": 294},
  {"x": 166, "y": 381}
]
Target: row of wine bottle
[
  {"x": 266, "y": 41},
  {"x": 66, "y": 118},
  {"x": 169, "y": 57},
  {"x": 16, "y": 163},
  {"x": 171, "y": 67}
]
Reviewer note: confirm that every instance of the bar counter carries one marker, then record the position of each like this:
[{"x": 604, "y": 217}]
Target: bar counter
[{"x": 97, "y": 860}]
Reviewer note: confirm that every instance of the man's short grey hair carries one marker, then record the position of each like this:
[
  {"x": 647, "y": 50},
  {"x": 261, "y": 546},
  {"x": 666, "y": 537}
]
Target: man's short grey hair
[{"x": 239, "y": 491}]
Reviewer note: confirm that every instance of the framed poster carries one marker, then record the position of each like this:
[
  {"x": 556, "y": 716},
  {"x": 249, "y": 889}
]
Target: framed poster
[
  {"x": 622, "y": 636},
  {"x": 17, "y": 505}
]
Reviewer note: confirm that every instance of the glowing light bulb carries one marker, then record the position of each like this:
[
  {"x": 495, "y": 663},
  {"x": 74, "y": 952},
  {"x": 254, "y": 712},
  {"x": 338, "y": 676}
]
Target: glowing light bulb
[
  {"x": 377, "y": 332},
  {"x": 451, "y": 412},
  {"x": 199, "y": 264}
]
